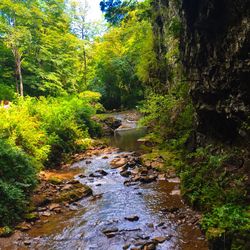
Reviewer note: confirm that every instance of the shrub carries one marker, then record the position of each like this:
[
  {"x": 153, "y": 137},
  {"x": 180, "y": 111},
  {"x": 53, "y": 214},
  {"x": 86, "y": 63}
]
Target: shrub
[
  {"x": 21, "y": 129},
  {"x": 169, "y": 116},
  {"x": 67, "y": 123},
  {"x": 226, "y": 219},
  {"x": 18, "y": 178}
]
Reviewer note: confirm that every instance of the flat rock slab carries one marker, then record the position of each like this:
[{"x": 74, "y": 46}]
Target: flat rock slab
[{"x": 118, "y": 162}]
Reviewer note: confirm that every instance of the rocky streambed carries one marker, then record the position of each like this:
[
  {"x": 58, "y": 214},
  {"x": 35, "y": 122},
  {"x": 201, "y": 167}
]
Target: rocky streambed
[{"x": 124, "y": 205}]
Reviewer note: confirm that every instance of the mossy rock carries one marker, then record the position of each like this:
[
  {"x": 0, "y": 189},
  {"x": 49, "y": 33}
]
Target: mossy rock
[
  {"x": 5, "y": 231},
  {"x": 213, "y": 233},
  {"x": 55, "y": 180},
  {"x": 31, "y": 208},
  {"x": 40, "y": 200},
  {"x": 31, "y": 217},
  {"x": 75, "y": 194}
]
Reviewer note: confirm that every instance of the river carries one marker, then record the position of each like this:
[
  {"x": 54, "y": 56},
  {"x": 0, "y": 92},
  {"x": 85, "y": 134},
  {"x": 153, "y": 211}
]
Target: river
[{"x": 84, "y": 226}]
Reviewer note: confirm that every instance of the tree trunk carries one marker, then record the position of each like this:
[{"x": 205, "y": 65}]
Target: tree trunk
[
  {"x": 17, "y": 85},
  {"x": 85, "y": 67},
  {"x": 19, "y": 76}
]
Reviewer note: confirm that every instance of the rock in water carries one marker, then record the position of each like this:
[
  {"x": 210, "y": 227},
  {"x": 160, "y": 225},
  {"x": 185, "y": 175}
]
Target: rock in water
[{"x": 132, "y": 218}]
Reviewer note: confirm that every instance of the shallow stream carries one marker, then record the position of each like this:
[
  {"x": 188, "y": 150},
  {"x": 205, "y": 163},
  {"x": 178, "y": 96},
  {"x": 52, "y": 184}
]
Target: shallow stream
[{"x": 82, "y": 228}]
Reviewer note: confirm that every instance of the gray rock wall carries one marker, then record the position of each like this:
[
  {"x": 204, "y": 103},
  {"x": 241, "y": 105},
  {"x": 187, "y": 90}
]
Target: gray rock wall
[{"x": 215, "y": 54}]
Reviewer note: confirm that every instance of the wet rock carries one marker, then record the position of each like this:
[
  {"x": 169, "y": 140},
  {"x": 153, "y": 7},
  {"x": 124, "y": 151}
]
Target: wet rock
[
  {"x": 73, "y": 182},
  {"x": 54, "y": 206},
  {"x": 77, "y": 193},
  {"x": 88, "y": 162},
  {"x": 110, "y": 232},
  {"x": 127, "y": 246},
  {"x": 132, "y": 218},
  {"x": 46, "y": 214},
  {"x": 148, "y": 179},
  {"x": 150, "y": 225},
  {"x": 118, "y": 162},
  {"x": 96, "y": 197},
  {"x": 136, "y": 178},
  {"x": 67, "y": 187},
  {"x": 150, "y": 246},
  {"x": 159, "y": 240},
  {"x": 105, "y": 157},
  {"x": 129, "y": 183},
  {"x": 81, "y": 176},
  {"x": 102, "y": 172},
  {"x": 96, "y": 175},
  {"x": 125, "y": 173},
  {"x": 24, "y": 226},
  {"x": 160, "y": 224},
  {"x": 27, "y": 242}
]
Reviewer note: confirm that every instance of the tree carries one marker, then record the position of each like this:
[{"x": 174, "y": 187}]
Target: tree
[
  {"x": 116, "y": 60},
  {"x": 16, "y": 36},
  {"x": 116, "y": 10}
]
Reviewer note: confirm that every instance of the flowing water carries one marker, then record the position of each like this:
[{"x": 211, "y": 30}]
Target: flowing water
[{"x": 111, "y": 203}]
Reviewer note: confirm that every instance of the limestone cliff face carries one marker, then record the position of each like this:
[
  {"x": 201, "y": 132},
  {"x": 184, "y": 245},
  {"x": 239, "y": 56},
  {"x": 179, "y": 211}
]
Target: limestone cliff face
[
  {"x": 159, "y": 75},
  {"x": 215, "y": 54}
]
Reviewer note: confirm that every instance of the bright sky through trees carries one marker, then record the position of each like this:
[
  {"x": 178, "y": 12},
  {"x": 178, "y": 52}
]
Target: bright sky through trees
[{"x": 95, "y": 13}]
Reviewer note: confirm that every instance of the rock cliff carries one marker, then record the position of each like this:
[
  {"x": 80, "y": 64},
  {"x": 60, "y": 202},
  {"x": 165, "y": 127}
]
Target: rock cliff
[{"x": 215, "y": 54}]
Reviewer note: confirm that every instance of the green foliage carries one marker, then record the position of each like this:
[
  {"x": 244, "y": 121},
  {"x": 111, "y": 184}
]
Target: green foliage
[
  {"x": 20, "y": 129},
  {"x": 210, "y": 184},
  {"x": 206, "y": 183},
  {"x": 169, "y": 116},
  {"x": 37, "y": 132},
  {"x": 6, "y": 92},
  {"x": 67, "y": 123},
  {"x": 115, "y": 60},
  {"x": 37, "y": 35},
  {"x": 18, "y": 178},
  {"x": 227, "y": 219}
]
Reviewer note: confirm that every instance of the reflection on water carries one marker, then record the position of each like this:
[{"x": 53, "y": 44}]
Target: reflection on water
[{"x": 126, "y": 140}]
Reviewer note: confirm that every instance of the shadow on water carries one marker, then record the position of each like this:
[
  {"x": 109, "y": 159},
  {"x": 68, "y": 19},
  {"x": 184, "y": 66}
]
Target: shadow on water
[{"x": 126, "y": 140}]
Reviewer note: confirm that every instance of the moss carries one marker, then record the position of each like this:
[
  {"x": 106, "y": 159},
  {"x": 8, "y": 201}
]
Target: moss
[
  {"x": 76, "y": 193},
  {"x": 55, "y": 180},
  {"x": 5, "y": 231},
  {"x": 31, "y": 217}
]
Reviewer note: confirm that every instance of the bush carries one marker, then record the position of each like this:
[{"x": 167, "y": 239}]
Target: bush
[
  {"x": 18, "y": 178},
  {"x": 226, "y": 219},
  {"x": 67, "y": 123},
  {"x": 20, "y": 129},
  {"x": 36, "y": 133},
  {"x": 169, "y": 116}
]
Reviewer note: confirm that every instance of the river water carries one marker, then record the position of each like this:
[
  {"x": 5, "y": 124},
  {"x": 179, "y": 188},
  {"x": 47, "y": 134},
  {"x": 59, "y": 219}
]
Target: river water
[{"x": 111, "y": 203}]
